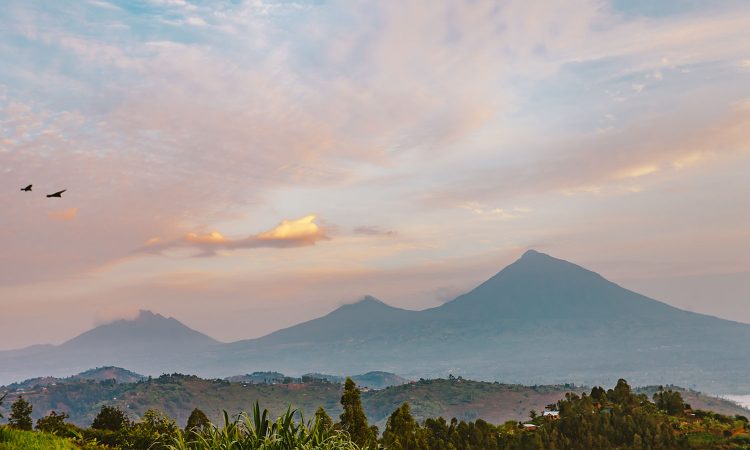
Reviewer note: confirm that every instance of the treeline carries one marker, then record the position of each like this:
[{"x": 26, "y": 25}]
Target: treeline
[{"x": 602, "y": 419}]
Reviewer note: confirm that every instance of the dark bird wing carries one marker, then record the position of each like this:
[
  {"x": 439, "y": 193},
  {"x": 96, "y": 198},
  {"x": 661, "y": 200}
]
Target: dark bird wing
[
  {"x": 57, "y": 194},
  {"x": 27, "y": 188}
]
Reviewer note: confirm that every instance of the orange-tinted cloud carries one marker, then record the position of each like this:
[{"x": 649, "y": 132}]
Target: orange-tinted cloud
[{"x": 289, "y": 233}]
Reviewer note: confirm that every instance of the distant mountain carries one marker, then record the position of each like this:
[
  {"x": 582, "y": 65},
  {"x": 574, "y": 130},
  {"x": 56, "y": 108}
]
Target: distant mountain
[
  {"x": 540, "y": 320},
  {"x": 149, "y": 331},
  {"x": 146, "y": 344}
]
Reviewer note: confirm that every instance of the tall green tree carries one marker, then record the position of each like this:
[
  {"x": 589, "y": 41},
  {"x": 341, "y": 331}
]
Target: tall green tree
[
  {"x": 402, "y": 432},
  {"x": 198, "y": 421},
  {"x": 110, "y": 418},
  {"x": 353, "y": 419},
  {"x": 20, "y": 415}
]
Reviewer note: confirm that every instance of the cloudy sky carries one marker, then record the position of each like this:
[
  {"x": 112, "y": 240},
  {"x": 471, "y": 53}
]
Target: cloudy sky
[{"x": 246, "y": 165}]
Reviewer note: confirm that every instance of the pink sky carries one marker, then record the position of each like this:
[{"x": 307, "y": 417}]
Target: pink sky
[{"x": 244, "y": 166}]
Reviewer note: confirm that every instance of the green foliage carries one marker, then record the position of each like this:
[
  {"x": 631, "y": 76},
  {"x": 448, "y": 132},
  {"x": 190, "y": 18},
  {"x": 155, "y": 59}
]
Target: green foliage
[
  {"x": 150, "y": 432},
  {"x": 20, "y": 414},
  {"x": 402, "y": 432},
  {"x": 615, "y": 419},
  {"x": 54, "y": 423},
  {"x": 260, "y": 432},
  {"x": 197, "y": 421},
  {"x": 353, "y": 419},
  {"x": 14, "y": 439},
  {"x": 110, "y": 418},
  {"x": 324, "y": 420},
  {"x": 670, "y": 402}
]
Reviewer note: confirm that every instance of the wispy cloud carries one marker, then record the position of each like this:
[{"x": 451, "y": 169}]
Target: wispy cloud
[
  {"x": 435, "y": 119},
  {"x": 373, "y": 230},
  {"x": 63, "y": 215}
]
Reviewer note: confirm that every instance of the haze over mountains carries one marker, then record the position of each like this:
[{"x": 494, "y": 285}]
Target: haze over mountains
[{"x": 540, "y": 320}]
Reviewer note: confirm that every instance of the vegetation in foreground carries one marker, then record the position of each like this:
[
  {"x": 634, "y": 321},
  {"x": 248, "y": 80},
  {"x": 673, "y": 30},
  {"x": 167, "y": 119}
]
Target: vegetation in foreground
[{"x": 617, "y": 418}]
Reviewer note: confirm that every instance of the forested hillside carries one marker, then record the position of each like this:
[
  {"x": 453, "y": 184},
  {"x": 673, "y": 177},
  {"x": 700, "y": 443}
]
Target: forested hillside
[
  {"x": 618, "y": 418},
  {"x": 177, "y": 395}
]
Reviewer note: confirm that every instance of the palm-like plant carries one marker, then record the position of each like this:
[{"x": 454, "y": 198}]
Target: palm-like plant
[{"x": 259, "y": 432}]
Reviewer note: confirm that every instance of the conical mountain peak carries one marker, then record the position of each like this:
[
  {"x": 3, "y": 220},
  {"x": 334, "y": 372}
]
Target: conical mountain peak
[
  {"x": 539, "y": 286},
  {"x": 146, "y": 327},
  {"x": 368, "y": 300}
]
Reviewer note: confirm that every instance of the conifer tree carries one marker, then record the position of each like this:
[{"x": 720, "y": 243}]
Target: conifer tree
[
  {"x": 402, "y": 432},
  {"x": 20, "y": 415},
  {"x": 325, "y": 423},
  {"x": 353, "y": 419},
  {"x": 198, "y": 421}
]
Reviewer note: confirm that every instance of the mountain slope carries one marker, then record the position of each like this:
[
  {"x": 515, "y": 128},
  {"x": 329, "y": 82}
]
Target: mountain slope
[
  {"x": 146, "y": 343},
  {"x": 540, "y": 320},
  {"x": 366, "y": 318},
  {"x": 538, "y": 287}
]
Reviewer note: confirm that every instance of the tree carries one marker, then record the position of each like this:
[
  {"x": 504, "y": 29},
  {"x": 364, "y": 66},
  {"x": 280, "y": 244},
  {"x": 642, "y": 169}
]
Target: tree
[
  {"x": 402, "y": 432},
  {"x": 598, "y": 393},
  {"x": 198, "y": 421},
  {"x": 621, "y": 393},
  {"x": 325, "y": 423},
  {"x": 2, "y": 397},
  {"x": 152, "y": 432},
  {"x": 670, "y": 402},
  {"x": 353, "y": 419},
  {"x": 110, "y": 418},
  {"x": 53, "y": 423},
  {"x": 20, "y": 415}
]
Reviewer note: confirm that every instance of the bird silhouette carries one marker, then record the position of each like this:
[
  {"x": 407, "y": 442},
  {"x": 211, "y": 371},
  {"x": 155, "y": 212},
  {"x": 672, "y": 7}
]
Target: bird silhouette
[
  {"x": 27, "y": 188},
  {"x": 57, "y": 194}
]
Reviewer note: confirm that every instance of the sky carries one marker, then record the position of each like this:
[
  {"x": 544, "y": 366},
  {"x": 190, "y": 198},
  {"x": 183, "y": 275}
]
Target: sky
[{"x": 246, "y": 165}]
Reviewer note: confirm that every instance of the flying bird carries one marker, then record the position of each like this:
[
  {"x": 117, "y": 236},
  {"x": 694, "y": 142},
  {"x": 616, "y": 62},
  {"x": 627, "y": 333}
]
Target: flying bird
[
  {"x": 27, "y": 188},
  {"x": 57, "y": 194}
]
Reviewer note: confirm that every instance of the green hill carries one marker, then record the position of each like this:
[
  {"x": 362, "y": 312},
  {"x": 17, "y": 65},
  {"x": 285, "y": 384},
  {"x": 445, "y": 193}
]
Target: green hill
[{"x": 177, "y": 395}]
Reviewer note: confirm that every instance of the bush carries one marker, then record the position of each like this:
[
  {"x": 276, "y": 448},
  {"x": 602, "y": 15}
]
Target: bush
[{"x": 55, "y": 424}]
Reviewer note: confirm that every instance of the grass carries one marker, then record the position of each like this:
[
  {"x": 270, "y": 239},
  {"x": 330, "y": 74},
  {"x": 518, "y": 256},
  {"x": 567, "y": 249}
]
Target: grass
[{"x": 11, "y": 439}]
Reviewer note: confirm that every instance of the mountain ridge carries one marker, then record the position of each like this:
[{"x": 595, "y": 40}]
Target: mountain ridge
[{"x": 539, "y": 320}]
